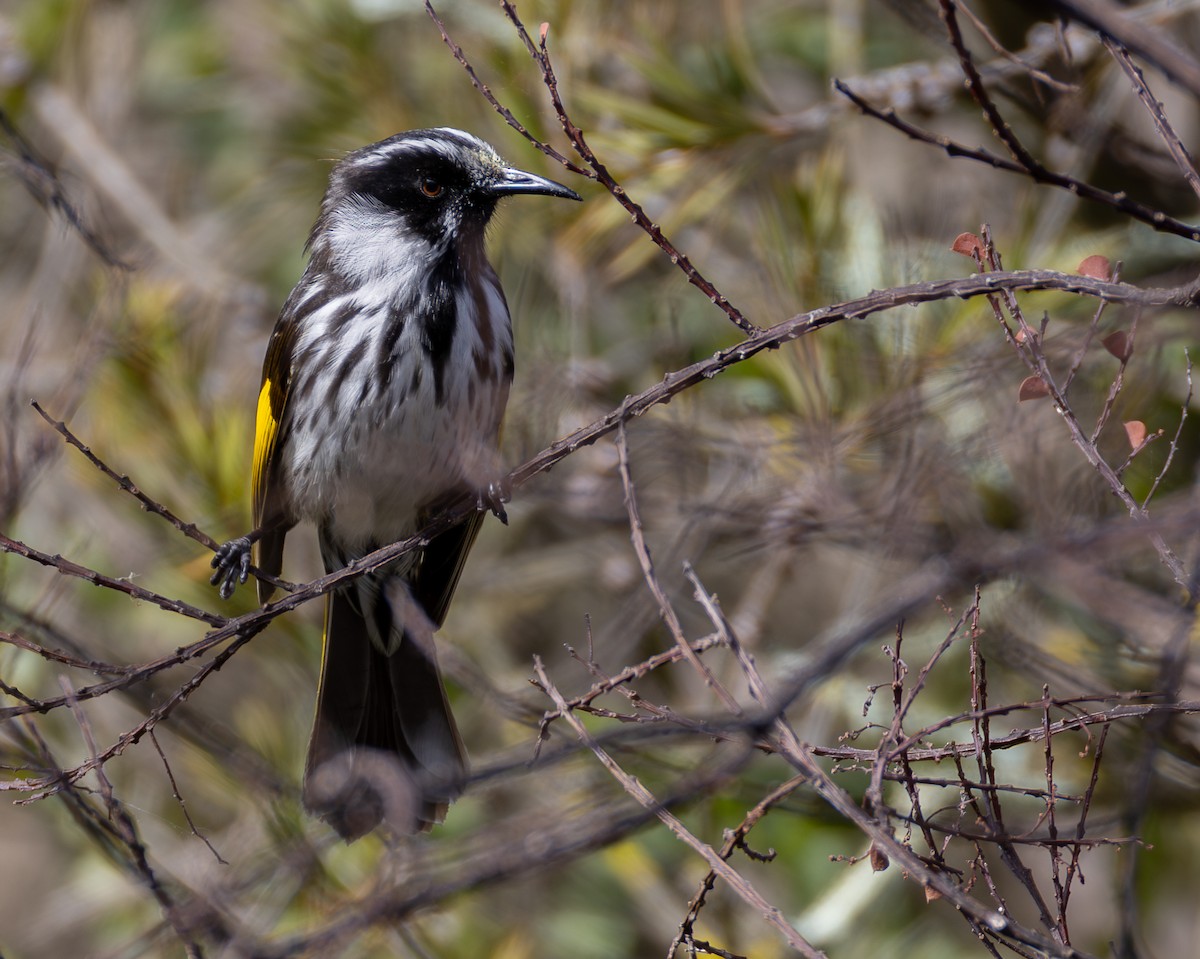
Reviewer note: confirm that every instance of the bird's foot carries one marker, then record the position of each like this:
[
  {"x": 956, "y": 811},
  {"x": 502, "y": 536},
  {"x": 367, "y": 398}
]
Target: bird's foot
[
  {"x": 232, "y": 565},
  {"x": 493, "y": 497}
]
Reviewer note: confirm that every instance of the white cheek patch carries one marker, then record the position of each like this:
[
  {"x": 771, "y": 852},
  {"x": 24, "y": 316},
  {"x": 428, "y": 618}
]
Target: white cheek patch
[{"x": 362, "y": 240}]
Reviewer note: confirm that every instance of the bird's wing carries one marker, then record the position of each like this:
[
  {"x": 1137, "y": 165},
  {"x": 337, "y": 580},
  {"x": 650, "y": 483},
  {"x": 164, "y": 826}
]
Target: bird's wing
[
  {"x": 442, "y": 561},
  {"x": 270, "y": 509},
  {"x": 442, "y": 564}
]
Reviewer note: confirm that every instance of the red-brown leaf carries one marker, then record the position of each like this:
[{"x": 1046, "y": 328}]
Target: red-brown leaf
[
  {"x": 1136, "y": 431},
  {"x": 1119, "y": 345},
  {"x": 879, "y": 859},
  {"x": 1096, "y": 266},
  {"x": 1032, "y": 388},
  {"x": 968, "y": 244}
]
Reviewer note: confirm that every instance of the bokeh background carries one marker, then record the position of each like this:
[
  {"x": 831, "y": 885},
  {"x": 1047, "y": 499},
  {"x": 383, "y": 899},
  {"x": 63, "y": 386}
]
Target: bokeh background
[{"x": 195, "y": 139}]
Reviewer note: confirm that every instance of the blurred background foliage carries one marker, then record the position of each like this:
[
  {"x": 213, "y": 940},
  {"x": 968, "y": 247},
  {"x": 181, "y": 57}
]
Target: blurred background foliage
[{"x": 802, "y": 485}]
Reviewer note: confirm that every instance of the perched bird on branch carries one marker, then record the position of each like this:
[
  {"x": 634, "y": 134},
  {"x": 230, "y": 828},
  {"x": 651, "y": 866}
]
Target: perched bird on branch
[{"x": 383, "y": 389}]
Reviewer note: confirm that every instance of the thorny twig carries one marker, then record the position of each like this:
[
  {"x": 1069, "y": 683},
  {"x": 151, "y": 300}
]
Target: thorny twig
[
  {"x": 45, "y": 186},
  {"x": 1166, "y": 132},
  {"x": 666, "y": 610},
  {"x": 1174, "y": 447},
  {"x": 1110, "y": 20},
  {"x": 639, "y": 792},
  {"x": 800, "y": 755},
  {"x": 121, "y": 827},
  {"x": 595, "y": 168},
  {"x": 1155, "y": 219},
  {"x": 734, "y": 840},
  {"x": 45, "y": 786},
  {"x": 672, "y": 384},
  {"x": 181, "y": 802},
  {"x": 150, "y": 505}
]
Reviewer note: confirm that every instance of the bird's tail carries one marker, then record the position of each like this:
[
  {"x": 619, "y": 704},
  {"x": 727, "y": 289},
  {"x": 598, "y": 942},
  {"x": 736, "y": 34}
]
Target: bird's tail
[{"x": 384, "y": 745}]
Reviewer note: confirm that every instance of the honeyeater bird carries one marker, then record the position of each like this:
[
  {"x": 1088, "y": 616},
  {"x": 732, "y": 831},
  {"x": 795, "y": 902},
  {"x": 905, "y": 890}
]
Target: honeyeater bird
[{"x": 383, "y": 389}]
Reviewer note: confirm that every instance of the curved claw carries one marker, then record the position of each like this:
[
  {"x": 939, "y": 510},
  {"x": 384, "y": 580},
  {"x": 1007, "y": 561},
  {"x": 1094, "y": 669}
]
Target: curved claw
[
  {"x": 232, "y": 565},
  {"x": 493, "y": 497}
]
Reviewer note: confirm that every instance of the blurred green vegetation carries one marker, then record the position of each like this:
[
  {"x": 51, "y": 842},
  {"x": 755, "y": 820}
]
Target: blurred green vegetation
[{"x": 802, "y": 485}]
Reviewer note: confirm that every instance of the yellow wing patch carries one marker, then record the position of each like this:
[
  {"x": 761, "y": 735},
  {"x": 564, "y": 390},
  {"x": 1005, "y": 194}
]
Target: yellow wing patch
[{"x": 266, "y": 430}]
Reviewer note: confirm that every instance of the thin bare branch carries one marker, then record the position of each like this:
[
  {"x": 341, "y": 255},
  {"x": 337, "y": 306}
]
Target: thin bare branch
[
  {"x": 1111, "y": 21},
  {"x": 190, "y": 530},
  {"x": 738, "y": 883},
  {"x": 69, "y": 568},
  {"x": 1166, "y": 132},
  {"x": 44, "y": 185},
  {"x": 666, "y": 610},
  {"x": 598, "y": 171},
  {"x": 1155, "y": 219}
]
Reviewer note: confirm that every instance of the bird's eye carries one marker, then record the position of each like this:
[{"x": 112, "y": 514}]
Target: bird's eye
[{"x": 430, "y": 187}]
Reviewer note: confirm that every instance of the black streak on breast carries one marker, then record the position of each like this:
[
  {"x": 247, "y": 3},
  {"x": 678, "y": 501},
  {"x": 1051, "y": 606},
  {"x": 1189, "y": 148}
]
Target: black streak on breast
[{"x": 438, "y": 316}]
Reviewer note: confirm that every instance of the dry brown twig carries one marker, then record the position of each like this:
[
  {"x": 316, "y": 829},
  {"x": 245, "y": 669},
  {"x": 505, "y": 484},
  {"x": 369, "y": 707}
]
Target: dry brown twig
[
  {"x": 773, "y": 916},
  {"x": 607, "y": 684},
  {"x": 735, "y": 839},
  {"x": 119, "y": 826},
  {"x": 801, "y": 757},
  {"x": 1109, "y": 20},
  {"x": 1041, "y": 76},
  {"x": 45, "y": 186},
  {"x": 1166, "y": 132},
  {"x": 1155, "y": 219},
  {"x": 150, "y": 505},
  {"x": 594, "y": 168},
  {"x": 666, "y": 610}
]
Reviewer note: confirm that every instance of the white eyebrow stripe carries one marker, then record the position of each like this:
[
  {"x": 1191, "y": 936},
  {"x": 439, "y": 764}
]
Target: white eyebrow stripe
[
  {"x": 467, "y": 139},
  {"x": 448, "y": 144}
]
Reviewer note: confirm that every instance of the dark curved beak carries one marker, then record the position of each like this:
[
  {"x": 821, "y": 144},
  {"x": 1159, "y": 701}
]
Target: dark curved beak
[{"x": 518, "y": 181}]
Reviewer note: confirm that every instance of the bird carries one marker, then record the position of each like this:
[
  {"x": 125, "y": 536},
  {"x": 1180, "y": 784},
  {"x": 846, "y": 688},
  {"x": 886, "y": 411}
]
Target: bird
[{"x": 383, "y": 389}]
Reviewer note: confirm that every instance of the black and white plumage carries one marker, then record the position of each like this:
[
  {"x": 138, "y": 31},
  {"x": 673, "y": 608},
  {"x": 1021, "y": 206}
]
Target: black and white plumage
[{"x": 383, "y": 390}]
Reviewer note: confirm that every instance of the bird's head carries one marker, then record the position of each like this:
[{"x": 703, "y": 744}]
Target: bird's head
[{"x": 436, "y": 187}]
